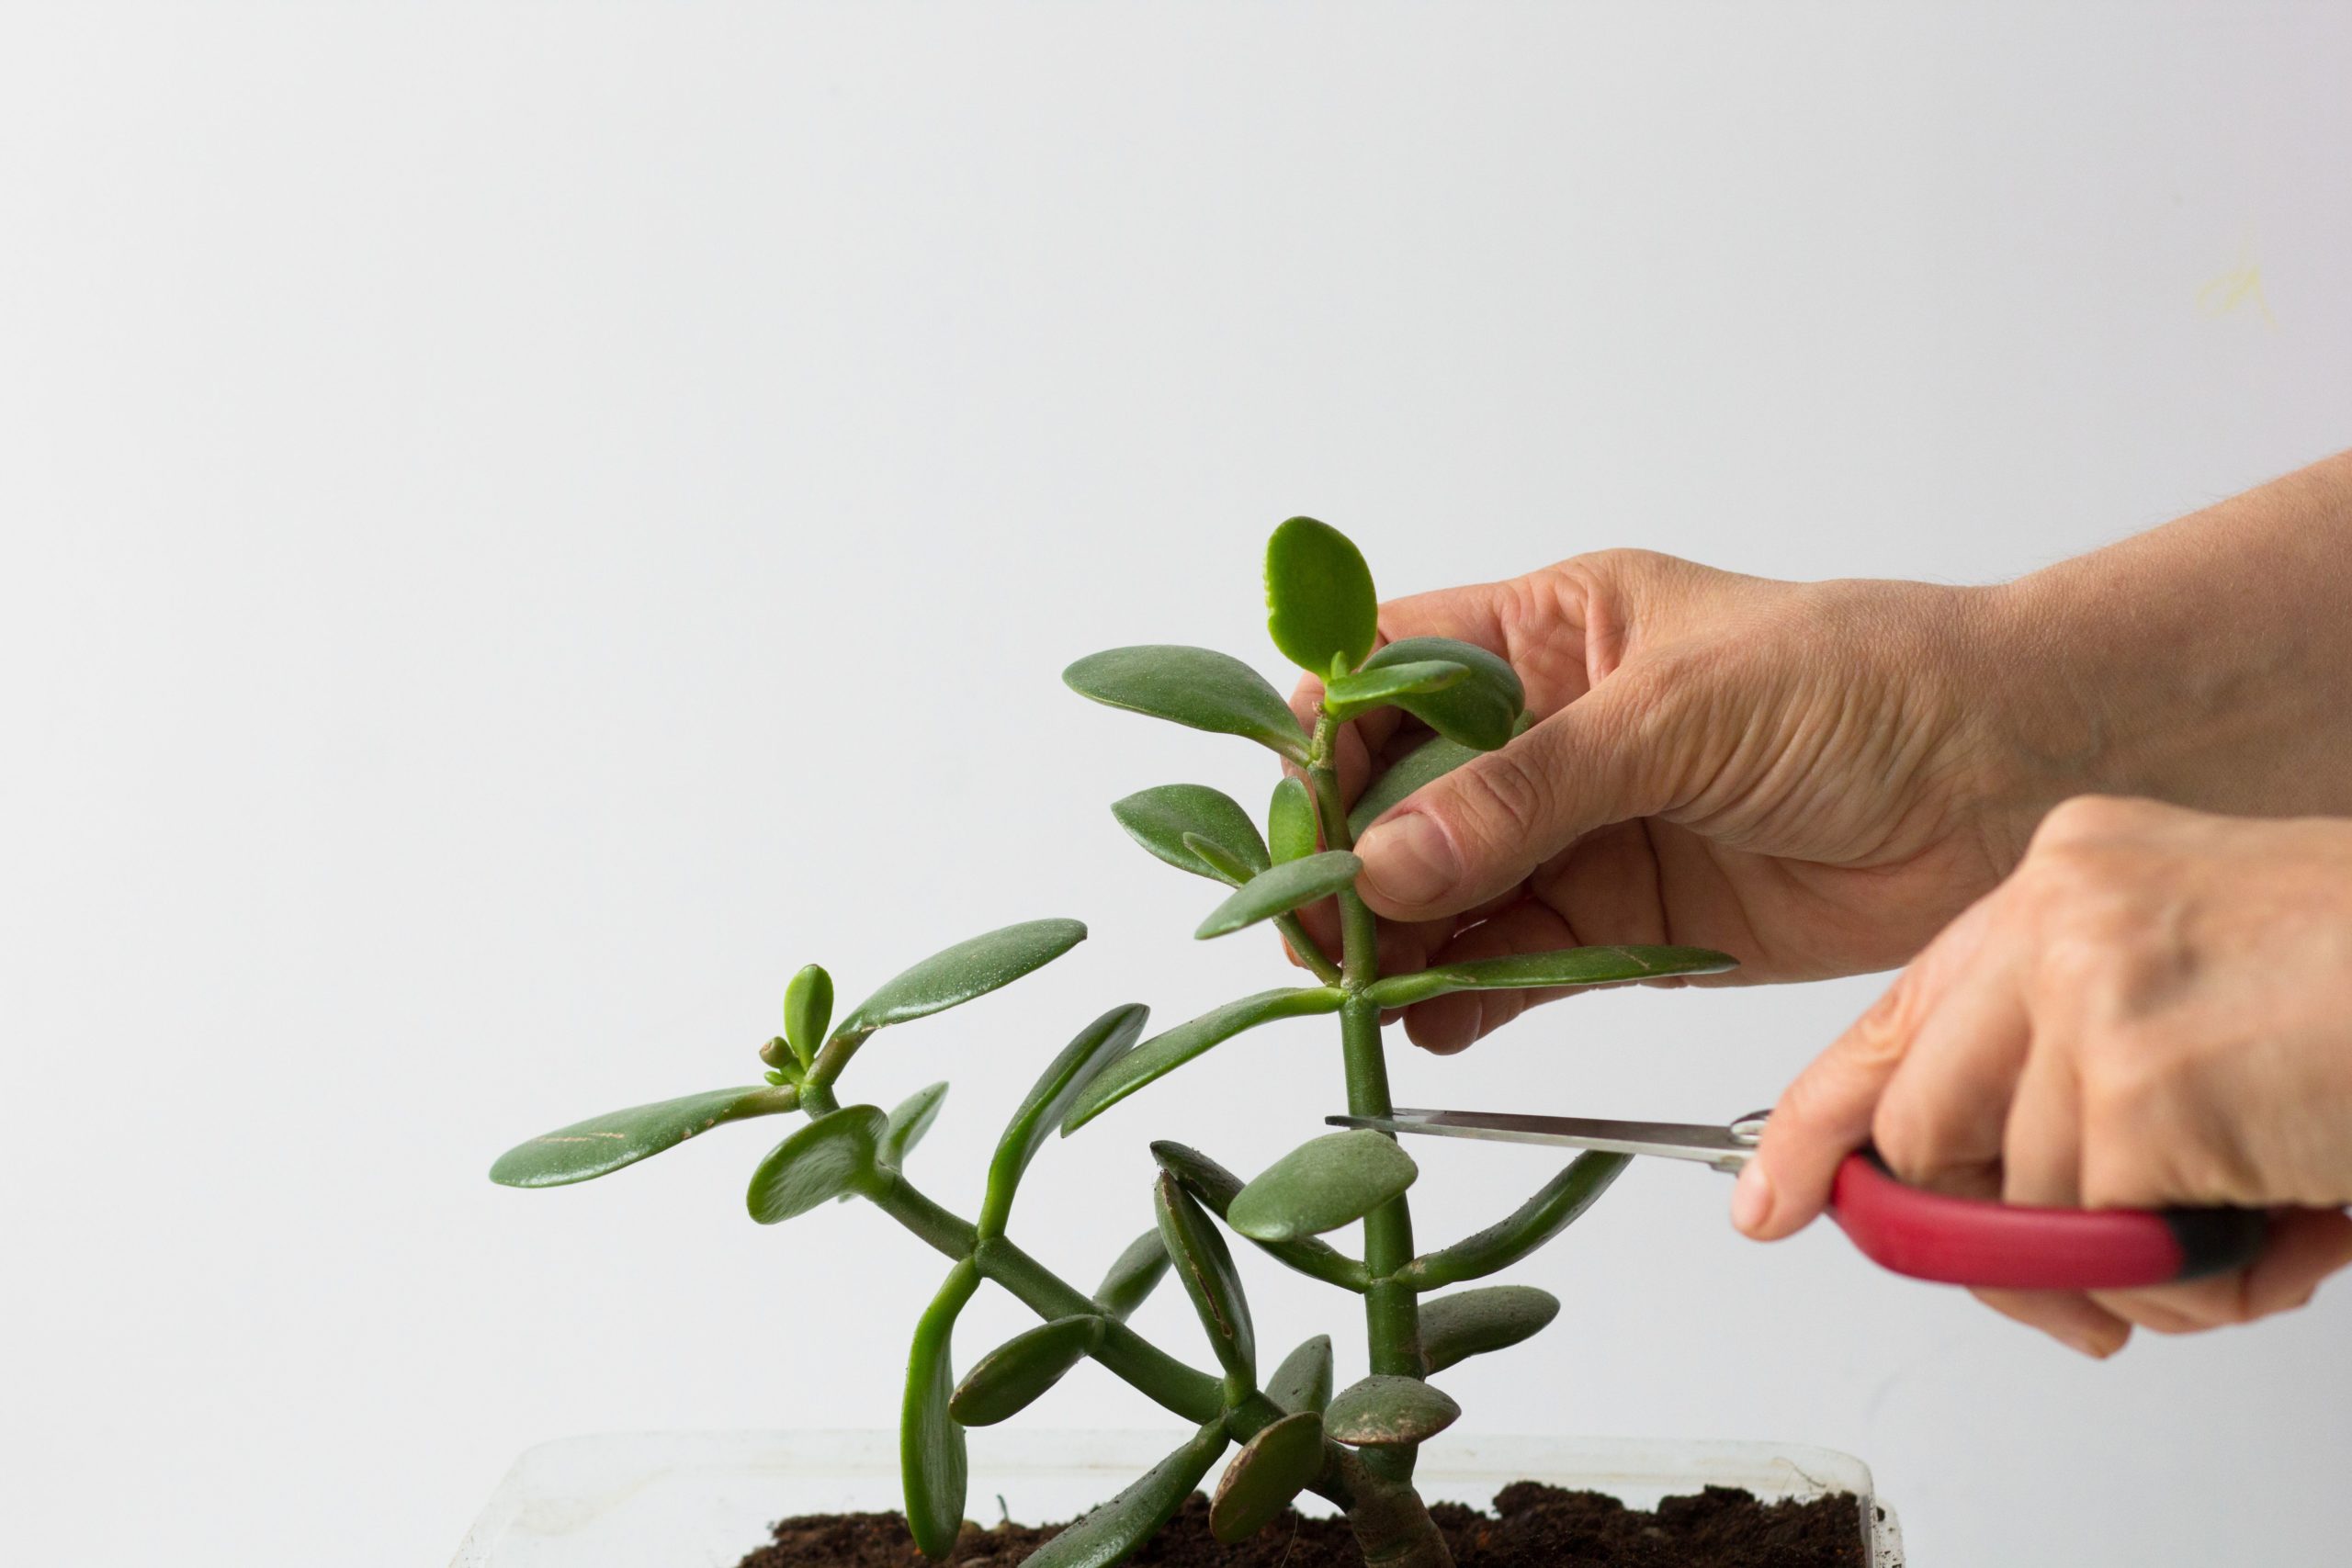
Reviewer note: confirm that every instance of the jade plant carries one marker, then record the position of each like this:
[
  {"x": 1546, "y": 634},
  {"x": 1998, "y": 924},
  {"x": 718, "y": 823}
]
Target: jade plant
[{"x": 1354, "y": 1445}]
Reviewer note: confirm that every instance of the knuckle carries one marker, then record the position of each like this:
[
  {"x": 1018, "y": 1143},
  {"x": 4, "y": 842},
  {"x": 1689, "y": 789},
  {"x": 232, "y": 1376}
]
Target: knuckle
[
  {"x": 2095, "y": 819},
  {"x": 1880, "y": 1038},
  {"x": 2075, "y": 818},
  {"x": 1911, "y": 1138}
]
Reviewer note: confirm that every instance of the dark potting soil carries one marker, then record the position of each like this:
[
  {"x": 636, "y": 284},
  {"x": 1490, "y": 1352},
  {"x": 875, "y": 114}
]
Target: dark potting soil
[{"x": 1532, "y": 1526}]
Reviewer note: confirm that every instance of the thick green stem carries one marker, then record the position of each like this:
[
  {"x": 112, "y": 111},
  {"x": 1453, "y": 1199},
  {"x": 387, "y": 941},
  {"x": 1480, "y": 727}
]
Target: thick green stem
[
  {"x": 1391, "y": 1524},
  {"x": 1392, "y": 1310},
  {"x": 1310, "y": 952},
  {"x": 1195, "y": 1395}
]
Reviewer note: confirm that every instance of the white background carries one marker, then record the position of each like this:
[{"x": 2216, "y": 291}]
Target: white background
[{"x": 525, "y": 525}]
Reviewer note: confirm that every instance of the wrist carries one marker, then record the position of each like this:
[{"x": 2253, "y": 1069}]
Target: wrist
[{"x": 2207, "y": 663}]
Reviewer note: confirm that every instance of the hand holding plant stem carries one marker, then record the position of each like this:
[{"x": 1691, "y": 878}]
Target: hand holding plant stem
[{"x": 1354, "y": 1447}]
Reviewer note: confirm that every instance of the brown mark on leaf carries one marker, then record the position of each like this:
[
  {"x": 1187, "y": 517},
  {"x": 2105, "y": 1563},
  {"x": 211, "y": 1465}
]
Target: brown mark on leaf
[{"x": 1195, "y": 1265}]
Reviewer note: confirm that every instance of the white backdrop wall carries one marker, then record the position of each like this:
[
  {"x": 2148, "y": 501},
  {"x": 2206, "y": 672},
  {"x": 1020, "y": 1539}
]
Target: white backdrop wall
[{"x": 526, "y": 524}]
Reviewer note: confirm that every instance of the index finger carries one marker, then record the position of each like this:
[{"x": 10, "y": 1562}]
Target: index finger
[{"x": 1827, "y": 1112}]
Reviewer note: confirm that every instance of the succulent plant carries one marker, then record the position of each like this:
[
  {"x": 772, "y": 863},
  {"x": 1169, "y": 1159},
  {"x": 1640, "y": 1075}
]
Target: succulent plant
[{"x": 1354, "y": 1445}]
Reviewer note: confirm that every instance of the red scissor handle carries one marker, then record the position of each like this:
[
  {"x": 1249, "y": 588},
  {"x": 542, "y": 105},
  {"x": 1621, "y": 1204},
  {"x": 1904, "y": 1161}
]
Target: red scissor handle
[{"x": 1970, "y": 1241}]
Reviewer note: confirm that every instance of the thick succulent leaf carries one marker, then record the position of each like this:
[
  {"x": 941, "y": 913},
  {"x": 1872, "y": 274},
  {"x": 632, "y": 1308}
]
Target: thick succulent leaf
[
  {"x": 1475, "y": 1322},
  {"x": 605, "y": 1143},
  {"x": 931, "y": 1462},
  {"x": 1192, "y": 686},
  {"x": 1271, "y": 1468},
  {"x": 969, "y": 969},
  {"x": 1161, "y": 818},
  {"x": 1345, "y": 696},
  {"x": 1205, "y": 1266},
  {"x": 832, "y": 1154},
  {"x": 908, "y": 1122},
  {"x": 1290, "y": 885},
  {"x": 1304, "y": 1379},
  {"x": 1098, "y": 1044},
  {"x": 1481, "y": 710},
  {"x": 1216, "y": 1188},
  {"x": 1111, "y": 1532},
  {"x": 1290, "y": 821},
  {"x": 1569, "y": 967},
  {"x": 1321, "y": 1185},
  {"x": 1321, "y": 605},
  {"x": 1132, "y": 1275},
  {"x": 1005, "y": 1381},
  {"x": 1425, "y": 764},
  {"x": 1381, "y": 1412},
  {"x": 1222, "y": 864},
  {"x": 1166, "y": 1052},
  {"x": 808, "y": 1011},
  {"x": 1556, "y": 1207}
]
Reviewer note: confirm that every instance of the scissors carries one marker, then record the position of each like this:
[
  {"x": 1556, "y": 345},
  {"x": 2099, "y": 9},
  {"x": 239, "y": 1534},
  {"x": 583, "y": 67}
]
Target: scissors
[{"x": 1907, "y": 1229}]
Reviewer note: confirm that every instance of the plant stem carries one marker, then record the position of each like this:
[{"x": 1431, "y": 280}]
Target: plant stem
[
  {"x": 1392, "y": 1310},
  {"x": 1310, "y": 952},
  {"x": 1195, "y": 1395}
]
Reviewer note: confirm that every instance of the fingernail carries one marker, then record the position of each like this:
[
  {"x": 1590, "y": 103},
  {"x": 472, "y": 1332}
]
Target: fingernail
[
  {"x": 1409, "y": 861},
  {"x": 1751, "y": 1199}
]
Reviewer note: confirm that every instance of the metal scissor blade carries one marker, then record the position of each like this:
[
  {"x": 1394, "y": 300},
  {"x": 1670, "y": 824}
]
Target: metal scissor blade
[{"x": 1726, "y": 1148}]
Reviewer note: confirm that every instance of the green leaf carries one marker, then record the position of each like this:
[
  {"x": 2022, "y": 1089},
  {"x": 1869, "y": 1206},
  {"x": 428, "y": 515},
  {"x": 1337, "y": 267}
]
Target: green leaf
[
  {"x": 1345, "y": 696},
  {"x": 1425, "y": 764},
  {"x": 1111, "y": 1531},
  {"x": 832, "y": 1154},
  {"x": 1271, "y": 1468},
  {"x": 1010, "y": 1376},
  {"x": 1304, "y": 1379},
  {"x": 1205, "y": 1266},
  {"x": 602, "y": 1145},
  {"x": 1321, "y": 605},
  {"x": 1475, "y": 1322},
  {"x": 1569, "y": 967},
  {"x": 1481, "y": 710},
  {"x": 1161, "y": 819},
  {"x": 1132, "y": 1276},
  {"x": 1216, "y": 1188},
  {"x": 1288, "y": 887},
  {"x": 1098, "y": 1044},
  {"x": 1384, "y": 1412},
  {"x": 1194, "y": 686},
  {"x": 1222, "y": 863},
  {"x": 1164, "y": 1053},
  {"x": 909, "y": 1122},
  {"x": 930, "y": 1445},
  {"x": 808, "y": 1011},
  {"x": 1290, "y": 821},
  {"x": 1321, "y": 1185},
  {"x": 969, "y": 969},
  {"x": 1556, "y": 1207}
]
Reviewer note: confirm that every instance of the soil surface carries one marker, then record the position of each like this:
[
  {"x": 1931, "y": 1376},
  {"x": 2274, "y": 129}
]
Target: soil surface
[{"x": 1532, "y": 1526}]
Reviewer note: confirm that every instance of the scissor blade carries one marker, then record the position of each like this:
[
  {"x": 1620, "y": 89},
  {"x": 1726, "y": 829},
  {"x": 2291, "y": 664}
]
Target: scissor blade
[{"x": 1707, "y": 1144}]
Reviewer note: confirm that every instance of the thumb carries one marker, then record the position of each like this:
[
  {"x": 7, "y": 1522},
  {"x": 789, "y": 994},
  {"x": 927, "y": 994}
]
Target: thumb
[{"x": 1460, "y": 840}]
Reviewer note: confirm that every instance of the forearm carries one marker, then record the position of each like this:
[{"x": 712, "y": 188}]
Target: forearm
[{"x": 2206, "y": 662}]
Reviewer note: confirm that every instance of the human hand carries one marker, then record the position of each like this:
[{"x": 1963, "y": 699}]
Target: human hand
[
  {"x": 1808, "y": 776},
  {"x": 2154, "y": 1010}
]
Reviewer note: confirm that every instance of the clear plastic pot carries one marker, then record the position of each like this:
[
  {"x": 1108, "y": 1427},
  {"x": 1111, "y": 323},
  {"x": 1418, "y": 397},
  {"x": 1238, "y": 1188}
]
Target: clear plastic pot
[{"x": 687, "y": 1499}]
